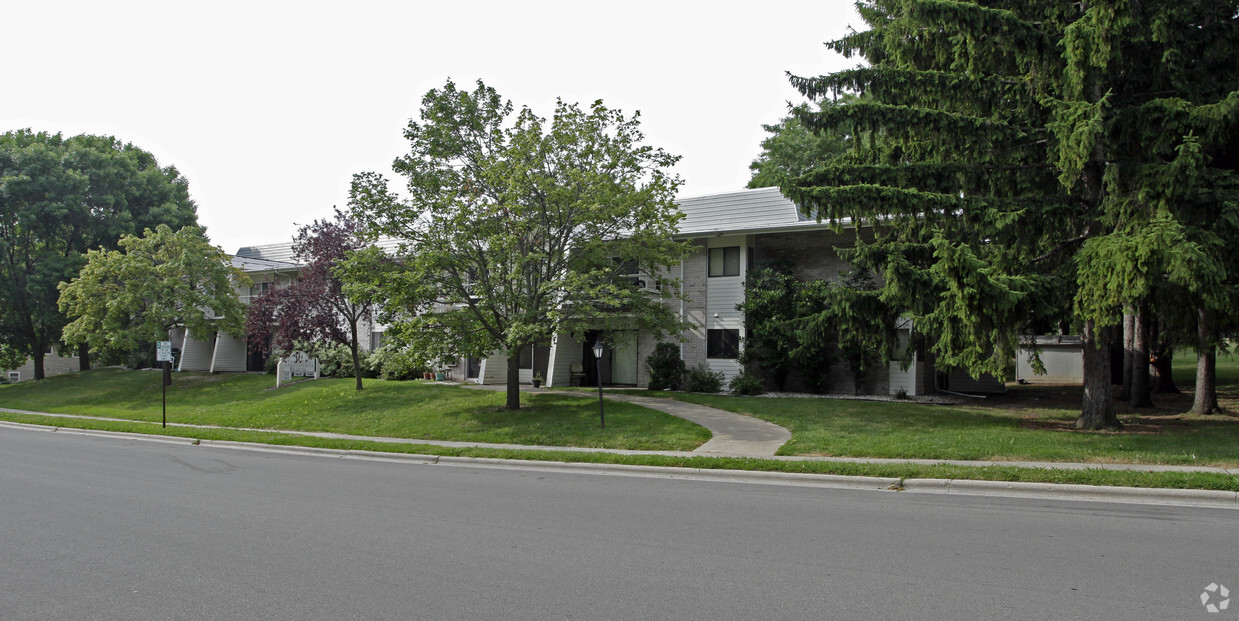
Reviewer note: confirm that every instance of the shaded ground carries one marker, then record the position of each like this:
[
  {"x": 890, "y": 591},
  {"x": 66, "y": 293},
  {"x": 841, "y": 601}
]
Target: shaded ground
[{"x": 1169, "y": 411}]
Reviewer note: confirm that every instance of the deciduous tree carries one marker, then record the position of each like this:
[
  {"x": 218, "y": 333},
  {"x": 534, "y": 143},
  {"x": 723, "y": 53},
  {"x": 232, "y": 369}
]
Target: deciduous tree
[
  {"x": 315, "y": 307},
  {"x": 59, "y": 198},
  {"x": 517, "y": 228},
  {"x": 126, "y": 299}
]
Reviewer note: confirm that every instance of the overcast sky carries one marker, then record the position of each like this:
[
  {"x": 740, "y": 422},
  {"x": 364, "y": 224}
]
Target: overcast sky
[{"x": 269, "y": 108}]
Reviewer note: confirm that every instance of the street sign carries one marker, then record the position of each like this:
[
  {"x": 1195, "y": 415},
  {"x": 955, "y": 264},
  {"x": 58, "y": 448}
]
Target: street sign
[{"x": 163, "y": 351}]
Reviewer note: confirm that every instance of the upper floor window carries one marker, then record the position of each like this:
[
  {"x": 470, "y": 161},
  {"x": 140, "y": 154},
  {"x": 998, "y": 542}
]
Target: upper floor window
[
  {"x": 259, "y": 288},
  {"x": 725, "y": 261}
]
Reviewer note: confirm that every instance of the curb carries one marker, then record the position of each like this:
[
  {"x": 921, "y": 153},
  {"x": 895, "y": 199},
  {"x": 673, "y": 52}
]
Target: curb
[
  {"x": 1072, "y": 491},
  {"x": 967, "y": 487}
]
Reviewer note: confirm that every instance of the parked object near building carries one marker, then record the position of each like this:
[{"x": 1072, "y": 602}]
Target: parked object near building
[{"x": 1062, "y": 356}]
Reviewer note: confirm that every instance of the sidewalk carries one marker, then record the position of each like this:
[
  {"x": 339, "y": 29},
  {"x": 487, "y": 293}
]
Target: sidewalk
[
  {"x": 734, "y": 435},
  {"x": 697, "y": 453}
]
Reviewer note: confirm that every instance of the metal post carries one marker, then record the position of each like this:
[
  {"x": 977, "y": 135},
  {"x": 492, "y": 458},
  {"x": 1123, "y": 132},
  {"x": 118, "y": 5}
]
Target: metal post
[
  {"x": 167, "y": 368},
  {"x": 598, "y": 372}
]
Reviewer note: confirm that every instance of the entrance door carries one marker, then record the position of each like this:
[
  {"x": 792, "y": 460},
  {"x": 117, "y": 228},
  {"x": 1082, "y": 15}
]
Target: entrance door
[{"x": 624, "y": 360}]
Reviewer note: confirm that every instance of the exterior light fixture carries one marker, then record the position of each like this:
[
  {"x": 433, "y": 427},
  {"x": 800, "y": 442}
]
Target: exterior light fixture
[{"x": 598, "y": 371}]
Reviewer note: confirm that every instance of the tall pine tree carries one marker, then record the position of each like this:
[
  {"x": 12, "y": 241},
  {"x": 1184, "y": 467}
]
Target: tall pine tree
[{"x": 1029, "y": 164}]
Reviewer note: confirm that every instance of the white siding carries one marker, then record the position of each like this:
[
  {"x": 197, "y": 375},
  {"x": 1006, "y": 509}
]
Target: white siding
[
  {"x": 494, "y": 369},
  {"x": 907, "y": 381},
  {"x": 729, "y": 368},
  {"x": 723, "y": 293},
  {"x": 1063, "y": 358},
  {"x": 196, "y": 355},
  {"x": 565, "y": 352},
  {"x": 53, "y": 364},
  {"x": 229, "y": 353}
]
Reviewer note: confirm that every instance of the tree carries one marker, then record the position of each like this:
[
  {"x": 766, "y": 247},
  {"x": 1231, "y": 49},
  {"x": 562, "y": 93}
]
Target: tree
[
  {"x": 315, "y": 308},
  {"x": 59, "y": 198},
  {"x": 518, "y": 228},
  {"x": 1028, "y": 161},
  {"x": 792, "y": 149},
  {"x": 128, "y": 298}
]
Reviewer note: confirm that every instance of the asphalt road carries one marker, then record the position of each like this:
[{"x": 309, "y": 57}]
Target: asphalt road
[{"x": 103, "y": 528}]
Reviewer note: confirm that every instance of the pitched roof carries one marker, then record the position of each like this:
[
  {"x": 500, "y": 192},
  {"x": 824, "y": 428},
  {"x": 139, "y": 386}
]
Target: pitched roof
[{"x": 763, "y": 210}]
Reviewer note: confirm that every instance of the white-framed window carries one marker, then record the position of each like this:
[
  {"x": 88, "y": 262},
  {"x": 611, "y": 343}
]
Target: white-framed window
[{"x": 725, "y": 261}]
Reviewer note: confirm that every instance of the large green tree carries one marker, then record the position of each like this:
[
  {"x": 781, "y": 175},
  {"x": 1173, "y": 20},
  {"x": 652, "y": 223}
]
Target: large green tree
[
  {"x": 126, "y": 299},
  {"x": 792, "y": 149},
  {"x": 516, "y": 228},
  {"x": 1028, "y": 163},
  {"x": 59, "y": 198}
]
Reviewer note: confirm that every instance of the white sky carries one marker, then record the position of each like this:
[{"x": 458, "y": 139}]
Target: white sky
[{"x": 268, "y": 108}]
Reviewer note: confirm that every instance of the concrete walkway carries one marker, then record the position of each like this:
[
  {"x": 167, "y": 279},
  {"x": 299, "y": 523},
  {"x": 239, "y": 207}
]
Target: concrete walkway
[{"x": 734, "y": 435}]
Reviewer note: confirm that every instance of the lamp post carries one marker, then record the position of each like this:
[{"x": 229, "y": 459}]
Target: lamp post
[{"x": 598, "y": 372}]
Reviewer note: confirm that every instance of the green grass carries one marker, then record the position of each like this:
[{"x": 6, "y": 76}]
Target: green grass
[
  {"x": 393, "y": 409},
  {"x": 1174, "y": 480},
  {"x": 1183, "y": 369},
  {"x": 898, "y": 429}
]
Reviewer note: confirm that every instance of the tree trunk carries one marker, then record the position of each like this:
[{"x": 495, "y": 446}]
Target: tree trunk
[
  {"x": 1097, "y": 411},
  {"x": 1163, "y": 381},
  {"x": 1129, "y": 332},
  {"x": 37, "y": 358},
  {"x": 83, "y": 357},
  {"x": 356, "y": 357},
  {"x": 1205, "y": 401},
  {"x": 514, "y": 379},
  {"x": 1140, "y": 396}
]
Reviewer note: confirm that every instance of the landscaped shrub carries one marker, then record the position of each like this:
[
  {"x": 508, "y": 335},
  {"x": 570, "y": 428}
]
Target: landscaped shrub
[
  {"x": 746, "y": 384},
  {"x": 336, "y": 360},
  {"x": 666, "y": 368},
  {"x": 391, "y": 364},
  {"x": 702, "y": 379}
]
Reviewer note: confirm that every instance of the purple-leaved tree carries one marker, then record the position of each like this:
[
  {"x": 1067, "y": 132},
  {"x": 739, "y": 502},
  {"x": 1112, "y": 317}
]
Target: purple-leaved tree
[{"x": 314, "y": 308}]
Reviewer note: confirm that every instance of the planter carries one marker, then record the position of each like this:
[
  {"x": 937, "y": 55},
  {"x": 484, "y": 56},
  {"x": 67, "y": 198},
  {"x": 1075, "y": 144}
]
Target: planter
[
  {"x": 536, "y": 383},
  {"x": 428, "y": 376}
]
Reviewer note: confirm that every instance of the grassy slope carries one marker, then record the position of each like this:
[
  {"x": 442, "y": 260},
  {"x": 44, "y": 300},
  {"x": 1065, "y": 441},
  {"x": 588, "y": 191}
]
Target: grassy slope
[{"x": 394, "y": 409}]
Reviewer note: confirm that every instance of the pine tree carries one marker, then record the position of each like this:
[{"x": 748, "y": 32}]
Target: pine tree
[{"x": 1033, "y": 163}]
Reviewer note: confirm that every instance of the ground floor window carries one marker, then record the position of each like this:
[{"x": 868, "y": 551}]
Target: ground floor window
[{"x": 722, "y": 344}]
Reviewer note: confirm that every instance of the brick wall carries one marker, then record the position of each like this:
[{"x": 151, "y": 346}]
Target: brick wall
[
  {"x": 811, "y": 252},
  {"x": 695, "y": 281}
]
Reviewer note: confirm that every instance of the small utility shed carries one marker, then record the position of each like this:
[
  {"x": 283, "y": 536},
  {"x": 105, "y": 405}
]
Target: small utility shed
[{"x": 1062, "y": 355}]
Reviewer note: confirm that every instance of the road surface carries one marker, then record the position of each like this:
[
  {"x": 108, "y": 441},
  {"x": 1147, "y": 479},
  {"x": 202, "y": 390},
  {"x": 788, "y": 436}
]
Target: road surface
[{"x": 107, "y": 528}]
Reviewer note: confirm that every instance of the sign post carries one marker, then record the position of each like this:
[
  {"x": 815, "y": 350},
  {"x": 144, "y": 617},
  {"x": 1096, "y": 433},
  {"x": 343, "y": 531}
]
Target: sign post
[{"x": 163, "y": 355}]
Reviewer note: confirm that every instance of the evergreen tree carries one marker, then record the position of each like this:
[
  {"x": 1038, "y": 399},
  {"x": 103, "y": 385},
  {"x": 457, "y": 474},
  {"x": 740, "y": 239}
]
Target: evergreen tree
[{"x": 1025, "y": 162}]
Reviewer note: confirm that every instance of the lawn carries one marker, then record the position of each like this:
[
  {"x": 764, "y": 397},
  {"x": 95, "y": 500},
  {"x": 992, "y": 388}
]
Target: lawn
[
  {"x": 1031, "y": 423},
  {"x": 904, "y": 429},
  {"x": 393, "y": 409}
]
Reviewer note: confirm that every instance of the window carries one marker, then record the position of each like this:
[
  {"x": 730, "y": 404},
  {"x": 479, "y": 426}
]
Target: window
[
  {"x": 376, "y": 340},
  {"x": 722, "y": 343},
  {"x": 259, "y": 288},
  {"x": 725, "y": 261}
]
